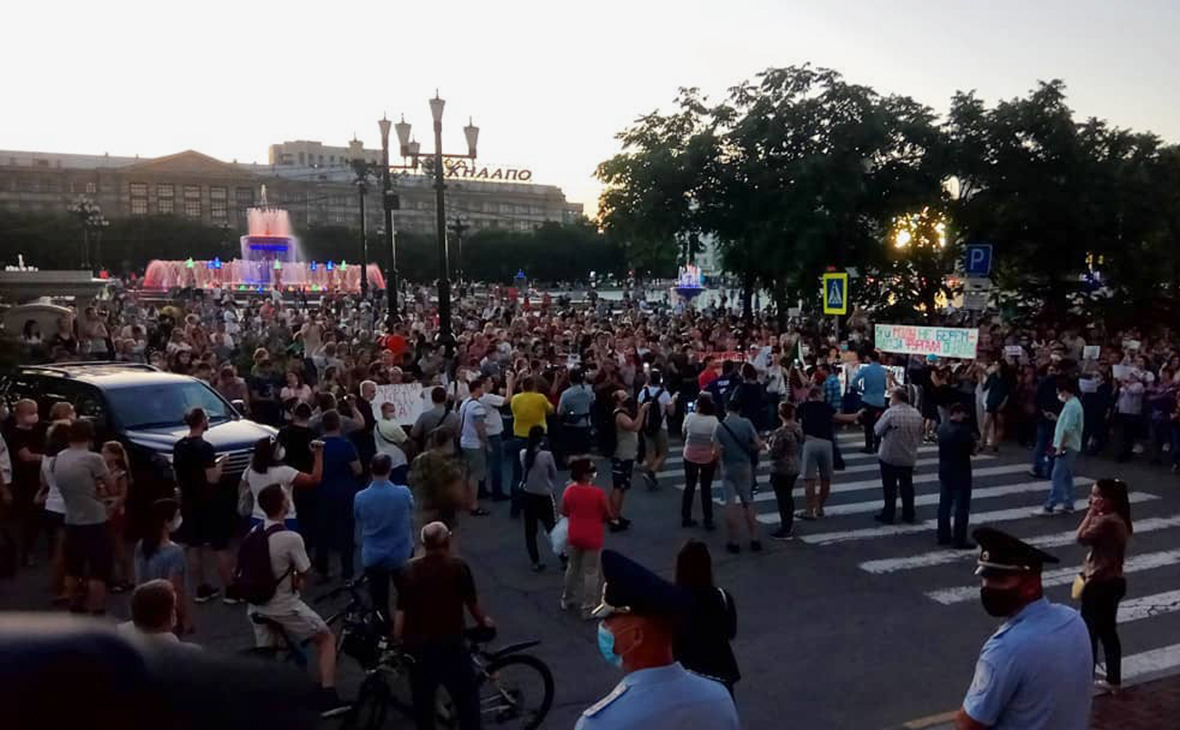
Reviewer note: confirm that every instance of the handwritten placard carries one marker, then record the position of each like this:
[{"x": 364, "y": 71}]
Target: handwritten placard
[
  {"x": 1091, "y": 352},
  {"x": 406, "y": 399},
  {"x": 955, "y": 342}
]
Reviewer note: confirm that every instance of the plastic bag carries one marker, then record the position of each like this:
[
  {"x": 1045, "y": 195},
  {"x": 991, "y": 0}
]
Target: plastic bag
[{"x": 559, "y": 538}]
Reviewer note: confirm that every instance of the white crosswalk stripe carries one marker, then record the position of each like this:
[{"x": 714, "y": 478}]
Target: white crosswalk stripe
[
  {"x": 678, "y": 459},
  {"x": 1003, "y": 515},
  {"x": 923, "y": 500},
  {"x": 764, "y": 466},
  {"x": 840, "y": 487},
  {"x": 944, "y": 557},
  {"x": 1141, "y": 607},
  {"x": 1148, "y": 664},
  {"x": 1062, "y": 576}
]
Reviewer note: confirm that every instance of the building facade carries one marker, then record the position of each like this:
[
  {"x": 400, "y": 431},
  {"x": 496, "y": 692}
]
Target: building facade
[{"x": 197, "y": 186}]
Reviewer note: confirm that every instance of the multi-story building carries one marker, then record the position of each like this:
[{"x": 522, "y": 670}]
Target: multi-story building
[{"x": 219, "y": 193}]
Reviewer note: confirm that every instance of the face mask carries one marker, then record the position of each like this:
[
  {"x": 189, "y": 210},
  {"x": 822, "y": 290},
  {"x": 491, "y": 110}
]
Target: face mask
[
  {"x": 177, "y": 521},
  {"x": 1062, "y": 397},
  {"x": 280, "y": 452},
  {"x": 606, "y": 646},
  {"x": 999, "y": 602}
]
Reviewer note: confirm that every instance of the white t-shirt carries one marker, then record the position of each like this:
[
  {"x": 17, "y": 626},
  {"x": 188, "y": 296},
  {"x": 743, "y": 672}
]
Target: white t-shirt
[
  {"x": 53, "y": 501},
  {"x": 494, "y": 422},
  {"x": 471, "y": 413},
  {"x": 665, "y": 400},
  {"x": 389, "y": 439},
  {"x": 283, "y": 475}
]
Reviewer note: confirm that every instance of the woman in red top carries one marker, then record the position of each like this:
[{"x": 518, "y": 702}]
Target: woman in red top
[{"x": 585, "y": 506}]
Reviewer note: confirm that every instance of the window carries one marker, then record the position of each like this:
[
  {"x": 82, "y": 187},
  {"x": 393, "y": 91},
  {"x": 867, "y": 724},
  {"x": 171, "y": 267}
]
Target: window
[
  {"x": 165, "y": 190},
  {"x": 139, "y": 190},
  {"x": 218, "y": 203},
  {"x": 244, "y": 198},
  {"x": 139, "y": 198},
  {"x": 192, "y": 201},
  {"x": 91, "y": 188},
  {"x": 166, "y": 206}
]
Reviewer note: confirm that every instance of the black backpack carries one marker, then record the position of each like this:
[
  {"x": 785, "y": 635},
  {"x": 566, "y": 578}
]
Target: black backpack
[
  {"x": 655, "y": 414},
  {"x": 254, "y": 578}
]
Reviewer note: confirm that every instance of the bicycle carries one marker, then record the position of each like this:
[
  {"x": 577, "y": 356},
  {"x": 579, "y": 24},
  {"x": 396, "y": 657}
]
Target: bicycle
[{"x": 503, "y": 678}]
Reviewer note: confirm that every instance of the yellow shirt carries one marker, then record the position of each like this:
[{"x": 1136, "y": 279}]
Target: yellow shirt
[{"x": 528, "y": 410}]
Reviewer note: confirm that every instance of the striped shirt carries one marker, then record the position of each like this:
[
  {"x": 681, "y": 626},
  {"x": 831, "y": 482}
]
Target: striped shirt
[{"x": 699, "y": 438}]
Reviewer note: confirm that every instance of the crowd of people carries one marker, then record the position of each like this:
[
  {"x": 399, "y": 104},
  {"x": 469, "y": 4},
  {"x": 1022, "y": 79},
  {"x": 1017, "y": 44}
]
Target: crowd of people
[{"x": 524, "y": 392}]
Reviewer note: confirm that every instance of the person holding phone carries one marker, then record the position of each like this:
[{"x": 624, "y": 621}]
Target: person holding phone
[{"x": 208, "y": 507}]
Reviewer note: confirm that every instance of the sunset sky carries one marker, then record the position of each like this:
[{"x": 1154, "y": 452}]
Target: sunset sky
[{"x": 549, "y": 83}]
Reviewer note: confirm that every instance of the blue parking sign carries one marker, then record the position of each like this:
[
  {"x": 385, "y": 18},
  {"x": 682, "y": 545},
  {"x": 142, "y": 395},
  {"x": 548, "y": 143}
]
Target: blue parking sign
[{"x": 979, "y": 259}]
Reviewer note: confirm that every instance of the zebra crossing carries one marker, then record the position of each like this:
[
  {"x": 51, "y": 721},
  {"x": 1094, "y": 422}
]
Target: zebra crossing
[{"x": 1003, "y": 494}]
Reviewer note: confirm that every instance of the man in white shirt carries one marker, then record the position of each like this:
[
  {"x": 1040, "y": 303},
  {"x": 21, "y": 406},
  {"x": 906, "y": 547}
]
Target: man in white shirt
[
  {"x": 153, "y": 615},
  {"x": 391, "y": 439},
  {"x": 473, "y": 441},
  {"x": 289, "y": 564},
  {"x": 494, "y": 426}
]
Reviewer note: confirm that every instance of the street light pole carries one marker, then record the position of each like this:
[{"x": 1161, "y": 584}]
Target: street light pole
[
  {"x": 361, "y": 169},
  {"x": 388, "y": 200}
]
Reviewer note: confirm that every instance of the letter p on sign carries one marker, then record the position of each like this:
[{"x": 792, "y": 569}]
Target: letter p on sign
[{"x": 979, "y": 259}]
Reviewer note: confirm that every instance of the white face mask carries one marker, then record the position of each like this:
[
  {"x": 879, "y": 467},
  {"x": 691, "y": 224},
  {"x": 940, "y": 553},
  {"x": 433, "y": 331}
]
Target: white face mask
[
  {"x": 280, "y": 452},
  {"x": 177, "y": 521},
  {"x": 1063, "y": 397}
]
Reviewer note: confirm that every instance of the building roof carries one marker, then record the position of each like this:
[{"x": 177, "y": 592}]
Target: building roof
[{"x": 21, "y": 158}]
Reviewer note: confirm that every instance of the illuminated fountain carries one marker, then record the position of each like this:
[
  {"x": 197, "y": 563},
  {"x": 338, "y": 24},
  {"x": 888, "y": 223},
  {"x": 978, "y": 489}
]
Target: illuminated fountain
[
  {"x": 270, "y": 259},
  {"x": 688, "y": 284}
]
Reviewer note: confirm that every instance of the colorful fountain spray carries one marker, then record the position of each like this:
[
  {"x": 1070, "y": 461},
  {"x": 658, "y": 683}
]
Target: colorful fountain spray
[{"x": 270, "y": 259}]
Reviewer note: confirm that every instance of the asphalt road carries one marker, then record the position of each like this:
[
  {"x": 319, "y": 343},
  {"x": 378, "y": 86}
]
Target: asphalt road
[{"x": 851, "y": 625}]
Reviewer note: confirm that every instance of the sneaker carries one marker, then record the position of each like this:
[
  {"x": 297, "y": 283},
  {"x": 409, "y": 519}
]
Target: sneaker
[
  {"x": 819, "y": 512},
  {"x": 653, "y": 483},
  {"x": 206, "y": 593},
  {"x": 231, "y": 600},
  {"x": 538, "y": 567},
  {"x": 755, "y": 546},
  {"x": 625, "y": 522},
  {"x": 329, "y": 703},
  {"x": 733, "y": 548},
  {"x": 616, "y": 526},
  {"x": 783, "y": 535},
  {"x": 1067, "y": 509},
  {"x": 804, "y": 515},
  {"x": 1046, "y": 511},
  {"x": 688, "y": 523},
  {"x": 479, "y": 512},
  {"x": 1035, "y": 473}
]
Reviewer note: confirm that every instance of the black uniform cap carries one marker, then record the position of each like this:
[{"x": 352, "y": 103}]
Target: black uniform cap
[
  {"x": 633, "y": 589},
  {"x": 1000, "y": 554}
]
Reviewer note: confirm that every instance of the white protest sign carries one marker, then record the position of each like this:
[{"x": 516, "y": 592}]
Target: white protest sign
[
  {"x": 406, "y": 399},
  {"x": 1091, "y": 352},
  {"x": 955, "y": 342}
]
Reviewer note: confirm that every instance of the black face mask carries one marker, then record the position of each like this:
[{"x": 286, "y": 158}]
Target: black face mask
[{"x": 999, "y": 602}]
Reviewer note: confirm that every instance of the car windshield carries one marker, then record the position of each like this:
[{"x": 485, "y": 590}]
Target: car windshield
[{"x": 163, "y": 406}]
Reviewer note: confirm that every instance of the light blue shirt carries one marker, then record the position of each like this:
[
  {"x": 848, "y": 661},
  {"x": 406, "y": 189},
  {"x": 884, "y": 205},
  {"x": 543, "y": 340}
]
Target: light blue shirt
[
  {"x": 1034, "y": 673},
  {"x": 1068, "y": 433},
  {"x": 664, "y": 698},
  {"x": 384, "y": 514},
  {"x": 873, "y": 377}
]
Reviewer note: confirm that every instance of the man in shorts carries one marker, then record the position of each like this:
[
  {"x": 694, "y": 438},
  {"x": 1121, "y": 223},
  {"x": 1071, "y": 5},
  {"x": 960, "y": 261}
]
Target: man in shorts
[
  {"x": 289, "y": 563},
  {"x": 83, "y": 479},
  {"x": 817, "y": 417},
  {"x": 656, "y": 444},
  {"x": 473, "y": 440},
  {"x": 207, "y": 506},
  {"x": 740, "y": 444}
]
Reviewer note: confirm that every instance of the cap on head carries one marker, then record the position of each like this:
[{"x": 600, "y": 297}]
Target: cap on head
[
  {"x": 630, "y": 588},
  {"x": 1001, "y": 554}
]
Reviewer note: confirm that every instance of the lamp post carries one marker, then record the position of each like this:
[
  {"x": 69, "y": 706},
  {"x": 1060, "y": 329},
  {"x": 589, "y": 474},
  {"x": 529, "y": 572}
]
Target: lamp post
[
  {"x": 90, "y": 215},
  {"x": 411, "y": 149},
  {"x": 459, "y": 227},
  {"x": 361, "y": 168},
  {"x": 389, "y": 202}
]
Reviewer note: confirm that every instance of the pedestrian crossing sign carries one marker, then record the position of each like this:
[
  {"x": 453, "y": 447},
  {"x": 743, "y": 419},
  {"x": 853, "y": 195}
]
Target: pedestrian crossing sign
[{"x": 835, "y": 290}]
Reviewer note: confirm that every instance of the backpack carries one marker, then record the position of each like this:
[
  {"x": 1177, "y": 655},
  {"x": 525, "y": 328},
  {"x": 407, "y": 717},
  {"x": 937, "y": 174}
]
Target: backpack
[
  {"x": 655, "y": 414},
  {"x": 254, "y": 577}
]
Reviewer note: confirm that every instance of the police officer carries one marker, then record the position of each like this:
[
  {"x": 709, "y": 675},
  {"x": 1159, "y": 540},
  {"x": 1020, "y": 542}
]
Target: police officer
[
  {"x": 1035, "y": 672},
  {"x": 639, "y": 612}
]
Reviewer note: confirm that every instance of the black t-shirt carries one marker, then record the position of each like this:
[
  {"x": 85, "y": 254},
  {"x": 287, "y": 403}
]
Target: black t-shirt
[
  {"x": 297, "y": 441},
  {"x": 816, "y": 417},
  {"x": 25, "y": 474},
  {"x": 191, "y": 456},
  {"x": 433, "y": 594}
]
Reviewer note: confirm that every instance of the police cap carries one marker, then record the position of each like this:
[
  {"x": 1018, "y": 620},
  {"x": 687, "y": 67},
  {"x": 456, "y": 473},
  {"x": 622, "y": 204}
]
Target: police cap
[
  {"x": 1002, "y": 554},
  {"x": 630, "y": 588}
]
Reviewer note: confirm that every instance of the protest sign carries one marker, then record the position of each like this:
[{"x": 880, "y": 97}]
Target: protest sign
[
  {"x": 1091, "y": 352},
  {"x": 1121, "y": 372},
  {"x": 954, "y": 342},
  {"x": 406, "y": 399}
]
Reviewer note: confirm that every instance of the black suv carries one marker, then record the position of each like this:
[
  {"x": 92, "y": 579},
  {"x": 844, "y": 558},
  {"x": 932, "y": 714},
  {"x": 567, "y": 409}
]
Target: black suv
[{"x": 143, "y": 408}]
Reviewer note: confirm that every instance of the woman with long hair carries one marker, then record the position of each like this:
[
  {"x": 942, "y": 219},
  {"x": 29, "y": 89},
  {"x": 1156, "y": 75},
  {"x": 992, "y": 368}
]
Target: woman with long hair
[
  {"x": 118, "y": 464},
  {"x": 157, "y": 557},
  {"x": 536, "y": 491},
  {"x": 700, "y": 460},
  {"x": 267, "y": 468},
  {"x": 702, "y": 640},
  {"x": 1105, "y": 529}
]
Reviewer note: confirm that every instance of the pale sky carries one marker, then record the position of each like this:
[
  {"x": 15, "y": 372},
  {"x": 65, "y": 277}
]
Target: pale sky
[{"x": 549, "y": 83}]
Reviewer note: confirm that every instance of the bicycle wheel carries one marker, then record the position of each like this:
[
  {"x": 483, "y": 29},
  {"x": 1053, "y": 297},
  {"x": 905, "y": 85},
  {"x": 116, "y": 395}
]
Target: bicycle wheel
[
  {"x": 517, "y": 692},
  {"x": 371, "y": 706}
]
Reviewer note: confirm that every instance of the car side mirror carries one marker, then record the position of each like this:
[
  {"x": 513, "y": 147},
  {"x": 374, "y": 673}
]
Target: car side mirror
[{"x": 239, "y": 405}]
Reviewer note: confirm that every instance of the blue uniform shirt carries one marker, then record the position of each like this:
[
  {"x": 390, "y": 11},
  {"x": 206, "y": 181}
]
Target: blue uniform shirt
[
  {"x": 872, "y": 378},
  {"x": 384, "y": 515},
  {"x": 664, "y": 698},
  {"x": 1034, "y": 673}
]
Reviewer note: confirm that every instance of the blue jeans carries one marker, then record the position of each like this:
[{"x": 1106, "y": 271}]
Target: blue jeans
[
  {"x": 496, "y": 464},
  {"x": 1061, "y": 493},
  {"x": 1042, "y": 462},
  {"x": 513, "y": 447}
]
